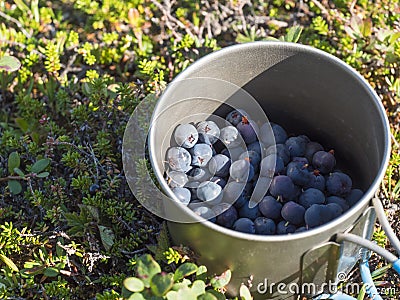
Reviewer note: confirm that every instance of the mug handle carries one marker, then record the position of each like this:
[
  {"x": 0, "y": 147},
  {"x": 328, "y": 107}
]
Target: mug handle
[{"x": 364, "y": 266}]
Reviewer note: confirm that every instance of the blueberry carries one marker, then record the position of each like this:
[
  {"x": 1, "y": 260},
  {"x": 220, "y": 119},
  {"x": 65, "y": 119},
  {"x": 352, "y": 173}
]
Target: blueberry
[
  {"x": 248, "y": 129},
  {"x": 311, "y": 148},
  {"x": 230, "y": 137},
  {"x": 219, "y": 165},
  {"x": 233, "y": 153},
  {"x": 182, "y": 194},
  {"x": 335, "y": 210},
  {"x": 226, "y": 214},
  {"x": 338, "y": 200},
  {"x": 316, "y": 215},
  {"x": 304, "y": 138},
  {"x": 253, "y": 157},
  {"x": 235, "y": 193},
  {"x": 94, "y": 188},
  {"x": 324, "y": 161},
  {"x": 210, "y": 129},
  {"x": 296, "y": 146},
  {"x": 317, "y": 181},
  {"x": 186, "y": 135},
  {"x": 179, "y": 159},
  {"x": 176, "y": 179},
  {"x": 219, "y": 180},
  {"x": 284, "y": 227},
  {"x": 298, "y": 172},
  {"x": 241, "y": 170},
  {"x": 279, "y": 133},
  {"x": 264, "y": 226},
  {"x": 268, "y": 167},
  {"x": 205, "y": 212},
  {"x": 198, "y": 174},
  {"x": 244, "y": 225},
  {"x": 201, "y": 154},
  {"x": 256, "y": 146},
  {"x": 235, "y": 116},
  {"x": 300, "y": 159},
  {"x": 280, "y": 150},
  {"x": 251, "y": 213},
  {"x": 301, "y": 229},
  {"x": 282, "y": 186},
  {"x": 338, "y": 184},
  {"x": 296, "y": 193},
  {"x": 208, "y": 191},
  {"x": 267, "y": 135},
  {"x": 354, "y": 196},
  {"x": 293, "y": 213},
  {"x": 270, "y": 207},
  {"x": 311, "y": 196}
]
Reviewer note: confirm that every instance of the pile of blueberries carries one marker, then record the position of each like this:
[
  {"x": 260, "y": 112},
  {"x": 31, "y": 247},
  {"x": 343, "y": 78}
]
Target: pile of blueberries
[{"x": 214, "y": 170}]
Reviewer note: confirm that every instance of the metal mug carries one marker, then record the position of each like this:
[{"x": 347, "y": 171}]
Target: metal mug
[{"x": 307, "y": 91}]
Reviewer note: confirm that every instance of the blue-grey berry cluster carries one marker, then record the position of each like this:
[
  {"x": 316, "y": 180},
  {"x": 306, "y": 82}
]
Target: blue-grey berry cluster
[{"x": 214, "y": 171}]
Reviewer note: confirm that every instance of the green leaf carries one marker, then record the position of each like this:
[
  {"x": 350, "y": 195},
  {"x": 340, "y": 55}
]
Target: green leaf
[
  {"x": 93, "y": 211},
  {"x": 271, "y": 38},
  {"x": 184, "y": 270},
  {"x": 366, "y": 27},
  {"x": 216, "y": 294},
  {"x": 136, "y": 296},
  {"x": 179, "y": 285},
  {"x": 133, "y": 284},
  {"x": 245, "y": 293},
  {"x": 9, "y": 63},
  {"x": 22, "y": 124},
  {"x": 201, "y": 270},
  {"x": 13, "y": 162},
  {"x": 32, "y": 271},
  {"x": 172, "y": 295},
  {"x": 19, "y": 172},
  {"x": 43, "y": 174},
  {"x": 376, "y": 274},
  {"x": 107, "y": 237},
  {"x": 199, "y": 287},
  {"x": 15, "y": 187},
  {"x": 35, "y": 137},
  {"x": 9, "y": 263},
  {"x": 183, "y": 294},
  {"x": 51, "y": 272},
  {"x": 147, "y": 267},
  {"x": 208, "y": 296},
  {"x": 40, "y": 165},
  {"x": 293, "y": 35},
  {"x": 362, "y": 293},
  {"x": 22, "y": 6},
  {"x": 201, "y": 273},
  {"x": 161, "y": 283},
  {"x": 222, "y": 280}
]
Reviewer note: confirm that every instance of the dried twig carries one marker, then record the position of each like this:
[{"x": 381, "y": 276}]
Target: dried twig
[
  {"x": 395, "y": 141},
  {"x": 169, "y": 19},
  {"x": 69, "y": 67},
  {"x": 326, "y": 11},
  {"x": 91, "y": 155},
  {"x": 23, "y": 46},
  {"x": 12, "y": 178},
  {"x": 16, "y": 22}
]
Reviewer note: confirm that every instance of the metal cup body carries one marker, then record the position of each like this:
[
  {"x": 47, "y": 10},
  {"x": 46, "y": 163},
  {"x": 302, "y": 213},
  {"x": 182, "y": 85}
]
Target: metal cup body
[{"x": 307, "y": 92}]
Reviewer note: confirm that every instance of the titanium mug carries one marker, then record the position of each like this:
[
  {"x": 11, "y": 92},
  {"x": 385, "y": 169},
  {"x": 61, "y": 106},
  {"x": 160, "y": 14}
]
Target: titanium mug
[{"x": 307, "y": 91}]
